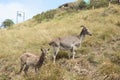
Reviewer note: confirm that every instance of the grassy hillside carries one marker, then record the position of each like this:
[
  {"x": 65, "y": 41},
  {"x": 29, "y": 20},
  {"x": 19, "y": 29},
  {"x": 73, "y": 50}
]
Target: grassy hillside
[{"x": 97, "y": 59}]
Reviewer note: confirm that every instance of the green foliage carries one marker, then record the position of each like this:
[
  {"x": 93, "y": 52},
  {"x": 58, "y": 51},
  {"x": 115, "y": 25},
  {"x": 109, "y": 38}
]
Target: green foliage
[
  {"x": 62, "y": 54},
  {"x": 95, "y": 3},
  {"x": 73, "y": 7},
  {"x": 99, "y": 3},
  {"x": 7, "y": 23},
  {"x": 82, "y": 5},
  {"x": 115, "y": 1},
  {"x": 45, "y": 15}
]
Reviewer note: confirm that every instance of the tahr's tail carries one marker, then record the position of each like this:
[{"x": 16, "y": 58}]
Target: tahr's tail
[{"x": 51, "y": 43}]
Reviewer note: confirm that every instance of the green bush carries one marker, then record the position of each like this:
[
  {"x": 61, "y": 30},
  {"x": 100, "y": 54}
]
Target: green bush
[
  {"x": 99, "y": 3},
  {"x": 114, "y": 1},
  {"x": 7, "y": 23},
  {"x": 95, "y": 3},
  {"x": 45, "y": 15},
  {"x": 63, "y": 54},
  {"x": 82, "y": 5}
]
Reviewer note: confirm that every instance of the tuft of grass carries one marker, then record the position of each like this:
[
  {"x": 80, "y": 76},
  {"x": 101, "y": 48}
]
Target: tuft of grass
[
  {"x": 115, "y": 58},
  {"x": 109, "y": 68},
  {"x": 118, "y": 23},
  {"x": 48, "y": 71}
]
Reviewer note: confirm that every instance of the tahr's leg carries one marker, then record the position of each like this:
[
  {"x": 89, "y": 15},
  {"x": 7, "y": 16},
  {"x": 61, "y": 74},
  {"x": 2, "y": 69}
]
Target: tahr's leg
[
  {"x": 21, "y": 68},
  {"x": 73, "y": 53},
  {"x": 36, "y": 69},
  {"x": 26, "y": 69},
  {"x": 56, "y": 50}
]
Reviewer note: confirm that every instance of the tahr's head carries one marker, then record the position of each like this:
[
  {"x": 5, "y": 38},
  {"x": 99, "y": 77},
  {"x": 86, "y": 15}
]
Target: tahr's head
[
  {"x": 44, "y": 51},
  {"x": 85, "y": 31}
]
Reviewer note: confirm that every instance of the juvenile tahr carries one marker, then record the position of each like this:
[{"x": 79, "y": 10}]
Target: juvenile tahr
[{"x": 28, "y": 59}]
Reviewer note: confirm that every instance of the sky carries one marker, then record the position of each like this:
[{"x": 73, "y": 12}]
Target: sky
[{"x": 9, "y": 8}]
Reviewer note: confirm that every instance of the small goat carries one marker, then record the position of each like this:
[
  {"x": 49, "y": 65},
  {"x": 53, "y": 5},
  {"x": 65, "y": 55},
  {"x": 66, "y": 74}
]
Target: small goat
[
  {"x": 29, "y": 59},
  {"x": 69, "y": 42}
]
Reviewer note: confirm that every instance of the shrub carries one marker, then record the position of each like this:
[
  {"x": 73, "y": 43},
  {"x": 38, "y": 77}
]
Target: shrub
[
  {"x": 99, "y": 3},
  {"x": 82, "y": 5},
  {"x": 115, "y": 1},
  {"x": 45, "y": 15},
  {"x": 62, "y": 54},
  {"x": 7, "y": 23}
]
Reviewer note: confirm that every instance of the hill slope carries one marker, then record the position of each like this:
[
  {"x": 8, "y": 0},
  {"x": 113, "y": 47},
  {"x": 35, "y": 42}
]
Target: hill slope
[{"x": 98, "y": 57}]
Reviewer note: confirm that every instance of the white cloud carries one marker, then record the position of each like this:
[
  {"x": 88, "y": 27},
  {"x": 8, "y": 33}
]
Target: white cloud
[{"x": 9, "y": 11}]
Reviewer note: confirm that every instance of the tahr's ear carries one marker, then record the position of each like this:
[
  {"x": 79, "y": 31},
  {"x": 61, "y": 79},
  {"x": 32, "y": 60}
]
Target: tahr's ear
[
  {"x": 48, "y": 49},
  {"x": 82, "y": 26},
  {"x": 42, "y": 49}
]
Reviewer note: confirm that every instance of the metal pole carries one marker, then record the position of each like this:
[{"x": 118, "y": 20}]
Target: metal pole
[
  {"x": 23, "y": 16},
  {"x": 17, "y": 17}
]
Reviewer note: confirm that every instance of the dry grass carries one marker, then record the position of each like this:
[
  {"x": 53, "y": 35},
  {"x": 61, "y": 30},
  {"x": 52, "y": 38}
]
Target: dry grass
[{"x": 31, "y": 36}]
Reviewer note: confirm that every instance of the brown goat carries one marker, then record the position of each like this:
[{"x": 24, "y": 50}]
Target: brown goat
[{"x": 29, "y": 59}]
